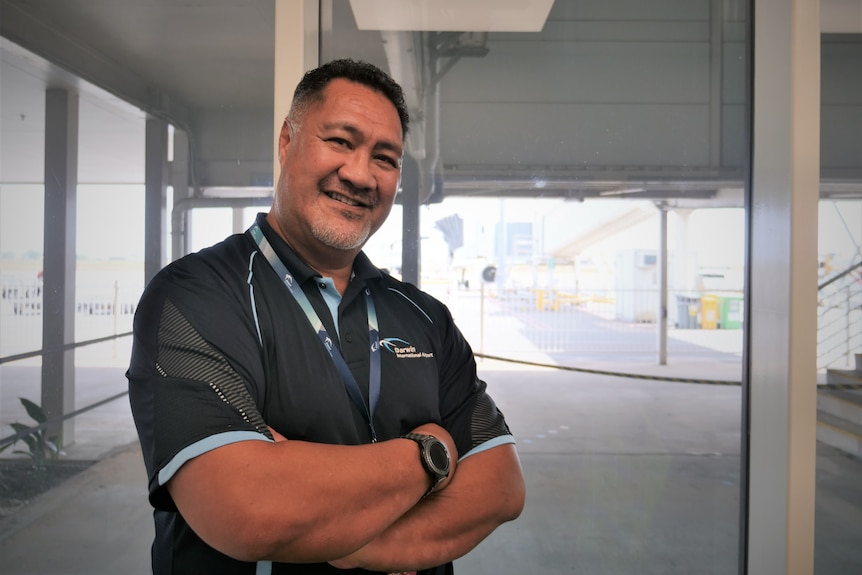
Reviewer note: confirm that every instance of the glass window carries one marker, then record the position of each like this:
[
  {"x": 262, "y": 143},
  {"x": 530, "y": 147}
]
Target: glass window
[
  {"x": 580, "y": 191},
  {"x": 839, "y": 313}
]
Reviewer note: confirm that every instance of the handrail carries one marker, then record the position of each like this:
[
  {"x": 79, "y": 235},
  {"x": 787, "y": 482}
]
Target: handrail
[
  {"x": 10, "y": 439},
  {"x": 840, "y": 275},
  {"x": 64, "y": 347},
  {"x": 839, "y": 325}
]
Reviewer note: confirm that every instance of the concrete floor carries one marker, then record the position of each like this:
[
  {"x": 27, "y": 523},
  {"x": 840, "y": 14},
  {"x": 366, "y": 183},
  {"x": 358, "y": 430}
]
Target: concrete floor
[{"x": 623, "y": 476}]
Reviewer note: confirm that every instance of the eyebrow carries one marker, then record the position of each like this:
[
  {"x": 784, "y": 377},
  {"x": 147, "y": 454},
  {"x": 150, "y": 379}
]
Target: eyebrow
[{"x": 353, "y": 130}]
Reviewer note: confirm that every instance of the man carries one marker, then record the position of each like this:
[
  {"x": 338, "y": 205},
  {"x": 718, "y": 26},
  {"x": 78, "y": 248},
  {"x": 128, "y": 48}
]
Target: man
[{"x": 299, "y": 410}]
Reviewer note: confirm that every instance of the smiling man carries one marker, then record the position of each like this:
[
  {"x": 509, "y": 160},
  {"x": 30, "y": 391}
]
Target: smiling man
[{"x": 300, "y": 411}]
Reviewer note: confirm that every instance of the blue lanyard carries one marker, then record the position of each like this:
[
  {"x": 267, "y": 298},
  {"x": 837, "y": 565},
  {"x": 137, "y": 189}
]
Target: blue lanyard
[{"x": 373, "y": 333}]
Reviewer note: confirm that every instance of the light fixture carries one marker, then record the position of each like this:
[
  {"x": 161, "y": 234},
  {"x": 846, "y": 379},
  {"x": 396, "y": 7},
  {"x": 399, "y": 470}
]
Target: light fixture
[{"x": 451, "y": 15}]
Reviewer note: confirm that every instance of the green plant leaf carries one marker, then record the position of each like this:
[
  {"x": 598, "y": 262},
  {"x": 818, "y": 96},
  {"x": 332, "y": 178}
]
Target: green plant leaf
[
  {"x": 19, "y": 427},
  {"x": 33, "y": 410},
  {"x": 32, "y": 444}
]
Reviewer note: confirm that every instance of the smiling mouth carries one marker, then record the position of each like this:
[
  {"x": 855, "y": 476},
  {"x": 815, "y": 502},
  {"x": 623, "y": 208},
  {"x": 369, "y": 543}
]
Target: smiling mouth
[{"x": 345, "y": 200}]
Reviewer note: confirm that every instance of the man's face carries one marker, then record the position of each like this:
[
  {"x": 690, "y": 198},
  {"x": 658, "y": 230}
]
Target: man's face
[{"x": 340, "y": 169}]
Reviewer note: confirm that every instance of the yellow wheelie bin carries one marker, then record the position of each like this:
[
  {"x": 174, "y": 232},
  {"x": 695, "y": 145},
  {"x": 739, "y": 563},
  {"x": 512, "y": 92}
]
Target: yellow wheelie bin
[{"x": 709, "y": 311}]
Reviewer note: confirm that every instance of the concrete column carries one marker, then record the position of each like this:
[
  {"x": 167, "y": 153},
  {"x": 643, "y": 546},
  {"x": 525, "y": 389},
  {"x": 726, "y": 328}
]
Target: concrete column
[
  {"x": 155, "y": 202},
  {"x": 180, "y": 221},
  {"x": 780, "y": 367},
  {"x": 58, "y": 295},
  {"x": 297, "y": 29},
  {"x": 238, "y": 220},
  {"x": 410, "y": 236}
]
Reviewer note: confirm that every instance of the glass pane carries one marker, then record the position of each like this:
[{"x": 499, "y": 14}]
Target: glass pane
[
  {"x": 121, "y": 84},
  {"x": 209, "y": 226},
  {"x": 838, "y": 535},
  {"x": 108, "y": 278},
  {"x": 581, "y": 191}
]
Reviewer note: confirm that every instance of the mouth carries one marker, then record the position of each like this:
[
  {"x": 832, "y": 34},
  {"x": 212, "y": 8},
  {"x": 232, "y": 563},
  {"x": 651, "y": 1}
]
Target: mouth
[{"x": 347, "y": 200}]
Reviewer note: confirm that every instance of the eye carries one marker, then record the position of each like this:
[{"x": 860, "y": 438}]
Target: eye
[
  {"x": 340, "y": 142},
  {"x": 392, "y": 162}
]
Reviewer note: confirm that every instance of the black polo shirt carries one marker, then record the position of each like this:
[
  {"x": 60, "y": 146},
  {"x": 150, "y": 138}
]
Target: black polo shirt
[{"x": 222, "y": 349}]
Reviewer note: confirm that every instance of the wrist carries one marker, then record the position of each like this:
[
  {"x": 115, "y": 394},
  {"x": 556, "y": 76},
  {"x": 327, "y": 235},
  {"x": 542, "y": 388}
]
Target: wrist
[{"x": 434, "y": 457}]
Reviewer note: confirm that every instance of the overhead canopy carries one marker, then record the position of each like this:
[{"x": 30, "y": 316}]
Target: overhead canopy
[{"x": 643, "y": 105}]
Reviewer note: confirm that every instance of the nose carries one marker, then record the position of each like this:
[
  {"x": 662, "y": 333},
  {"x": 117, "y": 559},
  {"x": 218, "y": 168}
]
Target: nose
[{"x": 357, "y": 170}]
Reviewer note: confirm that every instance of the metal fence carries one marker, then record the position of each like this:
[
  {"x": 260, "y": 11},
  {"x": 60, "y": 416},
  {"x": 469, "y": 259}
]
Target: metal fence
[
  {"x": 568, "y": 328},
  {"x": 839, "y": 324}
]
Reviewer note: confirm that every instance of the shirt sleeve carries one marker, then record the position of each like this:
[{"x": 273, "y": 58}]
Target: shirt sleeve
[
  {"x": 468, "y": 411},
  {"x": 187, "y": 398}
]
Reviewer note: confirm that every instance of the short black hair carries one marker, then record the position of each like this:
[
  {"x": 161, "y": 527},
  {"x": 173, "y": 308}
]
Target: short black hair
[{"x": 313, "y": 83}]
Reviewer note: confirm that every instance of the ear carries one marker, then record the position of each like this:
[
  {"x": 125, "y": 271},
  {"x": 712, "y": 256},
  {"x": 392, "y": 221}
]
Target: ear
[{"x": 283, "y": 141}]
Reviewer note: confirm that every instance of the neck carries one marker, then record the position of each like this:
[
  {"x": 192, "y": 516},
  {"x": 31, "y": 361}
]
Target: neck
[{"x": 328, "y": 262}]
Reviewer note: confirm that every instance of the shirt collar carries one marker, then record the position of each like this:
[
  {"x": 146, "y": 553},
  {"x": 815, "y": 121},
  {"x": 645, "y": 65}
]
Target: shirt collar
[{"x": 362, "y": 266}]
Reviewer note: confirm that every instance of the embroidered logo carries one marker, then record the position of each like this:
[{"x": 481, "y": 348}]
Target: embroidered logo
[{"x": 403, "y": 349}]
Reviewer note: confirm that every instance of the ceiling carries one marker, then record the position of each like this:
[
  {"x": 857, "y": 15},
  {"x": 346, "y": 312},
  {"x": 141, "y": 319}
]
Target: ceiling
[
  {"x": 628, "y": 115},
  {"x": 161, "y": 55}
]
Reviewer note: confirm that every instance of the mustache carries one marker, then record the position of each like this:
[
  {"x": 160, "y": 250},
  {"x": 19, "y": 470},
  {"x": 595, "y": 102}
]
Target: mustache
[{"x": 335, "y": 185}]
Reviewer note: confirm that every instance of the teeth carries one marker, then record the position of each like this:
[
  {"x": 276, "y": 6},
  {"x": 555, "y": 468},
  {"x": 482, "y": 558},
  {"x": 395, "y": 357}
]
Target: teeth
[{"x": 344, "y": 199}]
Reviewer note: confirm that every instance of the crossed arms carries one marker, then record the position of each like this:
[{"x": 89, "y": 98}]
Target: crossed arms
[{"x": 353, "y": 506}]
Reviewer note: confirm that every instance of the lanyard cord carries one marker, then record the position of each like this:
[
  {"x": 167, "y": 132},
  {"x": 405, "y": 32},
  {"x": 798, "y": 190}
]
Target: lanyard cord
[{"x": 314, "y": 320}]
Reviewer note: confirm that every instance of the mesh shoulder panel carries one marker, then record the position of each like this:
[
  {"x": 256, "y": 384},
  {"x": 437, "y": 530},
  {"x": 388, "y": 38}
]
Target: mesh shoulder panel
[
  {"x": 487, "y": 421},
  {"x": 183, "y": 353}
]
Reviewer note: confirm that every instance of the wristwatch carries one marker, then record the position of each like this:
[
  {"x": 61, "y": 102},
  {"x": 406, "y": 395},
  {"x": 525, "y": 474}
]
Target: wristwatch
[{"x": 434, "y": 456}]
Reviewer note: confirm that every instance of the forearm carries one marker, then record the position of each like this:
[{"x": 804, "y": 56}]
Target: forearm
[
  {"x": 487, "y": 490},
  {"x": 295, "y": 501}
]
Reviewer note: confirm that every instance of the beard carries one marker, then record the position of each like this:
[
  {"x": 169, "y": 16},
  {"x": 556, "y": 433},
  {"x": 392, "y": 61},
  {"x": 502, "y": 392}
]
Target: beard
[
  {"x": 349, "y": 233},
  {"x": 343, "y": 238}
]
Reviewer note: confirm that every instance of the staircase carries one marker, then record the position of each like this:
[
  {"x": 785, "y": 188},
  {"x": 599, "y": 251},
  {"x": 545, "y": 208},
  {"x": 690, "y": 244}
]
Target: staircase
[{"x": 839, "y": 409}]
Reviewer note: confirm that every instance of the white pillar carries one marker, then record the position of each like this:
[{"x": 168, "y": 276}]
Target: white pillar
[
  {"x": 780, "y": 368},
  {"x": 297, "y": 30}
]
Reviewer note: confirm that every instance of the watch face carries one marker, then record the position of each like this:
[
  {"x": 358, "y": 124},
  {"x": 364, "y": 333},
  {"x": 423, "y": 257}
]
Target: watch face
[{"x": 439, "y": 456}]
